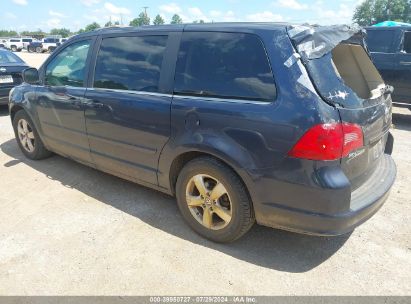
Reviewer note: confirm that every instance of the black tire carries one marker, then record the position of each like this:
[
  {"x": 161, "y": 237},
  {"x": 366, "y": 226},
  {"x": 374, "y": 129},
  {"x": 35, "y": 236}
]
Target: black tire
[
  {"x": 39, "y": 152},
  {"x": 30, "y": 49},
  {"x": 242, "y": 218},
  {"x": 13, "y": 48},
  {"x": 39, "y": 50}
]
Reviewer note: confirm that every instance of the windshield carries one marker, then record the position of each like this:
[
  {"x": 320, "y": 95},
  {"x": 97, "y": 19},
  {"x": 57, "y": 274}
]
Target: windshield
[{"x": 7, "y": 57}]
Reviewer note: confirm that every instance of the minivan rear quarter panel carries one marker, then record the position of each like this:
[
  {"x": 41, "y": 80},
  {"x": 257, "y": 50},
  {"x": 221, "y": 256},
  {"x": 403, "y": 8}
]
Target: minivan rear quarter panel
[{"x": 254, "y": 137}]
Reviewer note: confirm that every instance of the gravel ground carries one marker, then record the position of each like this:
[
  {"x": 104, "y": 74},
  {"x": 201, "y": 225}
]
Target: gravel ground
[{"x": 66, "y": 229}]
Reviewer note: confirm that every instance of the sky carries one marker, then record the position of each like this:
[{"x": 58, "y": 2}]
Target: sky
[{"x": 23, "y": 15}]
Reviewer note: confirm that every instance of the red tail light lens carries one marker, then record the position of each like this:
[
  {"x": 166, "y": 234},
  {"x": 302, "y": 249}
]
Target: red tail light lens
[
  {"x": 328, "y": 141},
  {"x": 353, "y": 138}
]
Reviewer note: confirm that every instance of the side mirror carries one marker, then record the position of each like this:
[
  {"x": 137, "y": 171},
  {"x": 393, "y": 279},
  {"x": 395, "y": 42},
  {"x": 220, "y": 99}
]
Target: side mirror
[{"x": 31, "y": 76}]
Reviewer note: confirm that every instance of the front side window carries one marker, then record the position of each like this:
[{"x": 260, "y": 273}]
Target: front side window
[
  {"x": 380, "y": 41},
  {"x": 69, "y": 66},
  {"x": 130, "y": 63},
  {"x": 224, "y": 65}
]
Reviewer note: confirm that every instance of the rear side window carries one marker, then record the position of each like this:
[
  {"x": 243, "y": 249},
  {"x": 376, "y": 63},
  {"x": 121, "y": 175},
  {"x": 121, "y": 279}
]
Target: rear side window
[
  {"x": 380, "y": 41},
  {"x": 130, "y": 63},
  {"x": 224, "y": 65}
]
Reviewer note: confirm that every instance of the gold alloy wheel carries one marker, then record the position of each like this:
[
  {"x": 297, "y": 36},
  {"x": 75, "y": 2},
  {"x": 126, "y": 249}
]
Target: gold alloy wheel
[
  {"x": 26, "y": 135},
  {"x": 208, "y": 201}
]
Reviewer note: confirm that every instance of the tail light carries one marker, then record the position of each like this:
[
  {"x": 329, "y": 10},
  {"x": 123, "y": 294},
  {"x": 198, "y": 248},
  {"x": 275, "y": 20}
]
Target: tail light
[{"x": 328, "y": 141}]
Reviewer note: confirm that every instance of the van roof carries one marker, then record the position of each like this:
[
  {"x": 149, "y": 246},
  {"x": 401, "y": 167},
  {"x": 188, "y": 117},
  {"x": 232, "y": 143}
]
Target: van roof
[{"x": 221, "y": 26}]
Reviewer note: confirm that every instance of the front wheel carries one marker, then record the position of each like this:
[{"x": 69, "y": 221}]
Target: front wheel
[
  {"x": 213, "y": 200},
  {"x": 13, "y": 48},
  {"x": 28, "y": 138}
]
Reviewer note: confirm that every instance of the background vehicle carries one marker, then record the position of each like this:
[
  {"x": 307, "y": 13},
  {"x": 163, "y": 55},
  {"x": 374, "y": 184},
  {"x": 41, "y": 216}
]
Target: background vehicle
[
  {"x": 3, "y": 43},
  {"x": 35, "y": 46},
  {"x": 11, "y": 67},
  {"x": 390, "y": 49},
  {"x": 17, "y": 44},
  {"x": 50, "y": 44},
  {"x": 237, "y": 127}
]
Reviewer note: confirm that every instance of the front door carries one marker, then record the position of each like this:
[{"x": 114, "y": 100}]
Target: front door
[
  {"x": 128, "y": 112},
  {"x": 60, "y": 101}
]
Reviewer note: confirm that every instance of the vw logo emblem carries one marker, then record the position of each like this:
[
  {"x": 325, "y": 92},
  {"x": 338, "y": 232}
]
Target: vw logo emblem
[{"x": 3, "y": 69}]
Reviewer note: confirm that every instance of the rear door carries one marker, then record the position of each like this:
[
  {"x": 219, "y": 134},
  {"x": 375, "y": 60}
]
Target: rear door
[{"x": 128, "y": 112}]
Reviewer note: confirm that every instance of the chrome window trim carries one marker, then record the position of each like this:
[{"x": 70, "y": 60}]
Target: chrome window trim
[
  {"x": 130, "y": 92},
  {"x": 230, "y": 100}
]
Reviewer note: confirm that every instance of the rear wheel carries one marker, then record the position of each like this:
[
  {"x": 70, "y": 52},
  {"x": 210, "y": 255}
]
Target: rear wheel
[
  {"x": 13, "y": 48},
  {"x": 28, "y": 138},
  {"x": 213, "y": 200}
]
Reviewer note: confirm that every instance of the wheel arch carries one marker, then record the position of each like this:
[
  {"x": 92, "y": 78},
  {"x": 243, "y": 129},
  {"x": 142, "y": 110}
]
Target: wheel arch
[
  {"x": 181, "y": 159},
  {"x": 14, "y": 109}
]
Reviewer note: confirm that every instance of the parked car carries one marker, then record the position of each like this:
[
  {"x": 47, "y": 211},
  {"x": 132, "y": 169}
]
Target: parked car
[
  {"x": 390, "y": 49},
  {"x": 238, "y": 128},
  {"x": 17, "y": 44},
  {"x": 11, "y": 67}
]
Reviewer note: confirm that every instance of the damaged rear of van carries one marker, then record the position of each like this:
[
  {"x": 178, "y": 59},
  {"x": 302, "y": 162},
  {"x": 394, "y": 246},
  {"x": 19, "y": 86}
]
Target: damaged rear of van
[{"x": 351, "y": 153}]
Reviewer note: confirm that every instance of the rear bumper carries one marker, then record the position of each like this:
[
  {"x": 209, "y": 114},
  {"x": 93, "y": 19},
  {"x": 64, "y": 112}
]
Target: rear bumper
[{"x": 365, "y": 202}]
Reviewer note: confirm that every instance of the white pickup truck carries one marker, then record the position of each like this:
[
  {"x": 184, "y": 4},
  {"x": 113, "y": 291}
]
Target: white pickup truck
[{"x": 17, "y": 44}]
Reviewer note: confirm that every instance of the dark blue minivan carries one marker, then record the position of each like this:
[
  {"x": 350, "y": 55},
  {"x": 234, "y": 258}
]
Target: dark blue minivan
[{"x": 284, "y": 125}]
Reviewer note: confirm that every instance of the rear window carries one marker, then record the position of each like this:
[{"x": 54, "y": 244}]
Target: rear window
[
  {"x": 224, "y": 65},
  {"x": 380, "y": 41}
]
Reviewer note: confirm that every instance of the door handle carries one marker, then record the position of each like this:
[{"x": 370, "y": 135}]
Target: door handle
[{"x": 97, "y": 105}]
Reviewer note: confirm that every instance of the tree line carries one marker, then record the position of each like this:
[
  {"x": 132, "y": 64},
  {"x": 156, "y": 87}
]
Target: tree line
[
  {"x": 367, "y": 13},
  {"x": 371, "y": 12}
]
